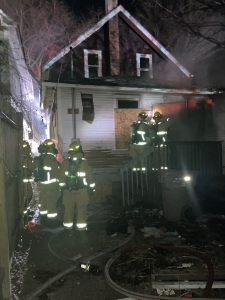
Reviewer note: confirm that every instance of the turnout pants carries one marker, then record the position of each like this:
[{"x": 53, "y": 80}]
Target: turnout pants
[
  {"x": 80, "y": 199},
  {"x": 134, "y": 150},
  {"x": 49, "y": 194}
]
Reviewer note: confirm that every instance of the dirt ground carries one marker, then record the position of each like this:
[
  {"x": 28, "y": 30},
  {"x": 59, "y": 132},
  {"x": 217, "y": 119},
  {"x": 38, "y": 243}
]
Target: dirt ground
[{"x": 33, "y": 263}]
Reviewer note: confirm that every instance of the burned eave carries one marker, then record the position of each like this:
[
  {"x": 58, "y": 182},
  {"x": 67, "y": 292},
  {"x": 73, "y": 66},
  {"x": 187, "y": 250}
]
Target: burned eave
[{"x": 135, "y": 82}]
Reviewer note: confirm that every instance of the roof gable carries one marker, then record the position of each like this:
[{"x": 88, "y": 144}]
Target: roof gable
[
  {"x": 5, "y": 20},
  {"x": 126, "y": 16}
]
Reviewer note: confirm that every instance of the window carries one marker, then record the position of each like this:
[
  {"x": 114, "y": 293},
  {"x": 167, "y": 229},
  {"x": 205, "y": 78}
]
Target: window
[
  {"x": 88, "y": 107},
  {"x": 127, "y": 104},
  {"x": 92, "y": 63},
  {"x": 144, "y": 64}
]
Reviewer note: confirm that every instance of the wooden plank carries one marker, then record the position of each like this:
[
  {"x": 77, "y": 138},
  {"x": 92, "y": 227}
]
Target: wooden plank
[
  {"x": 183, "y": 285},
  {"x": 184, "y": 274}
]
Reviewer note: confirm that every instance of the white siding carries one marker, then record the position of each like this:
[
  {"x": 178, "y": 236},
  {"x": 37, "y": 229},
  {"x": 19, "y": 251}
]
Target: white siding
[
  {"x": 148, "y": 99},
  {"x": 101, "y": 132}
]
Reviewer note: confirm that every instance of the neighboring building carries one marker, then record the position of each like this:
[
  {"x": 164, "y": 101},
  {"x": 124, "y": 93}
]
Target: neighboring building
[
  {"x": 19, "y": 86},
  {"x": 109, "y": 74},
  {"x": 20, "y": 118}
]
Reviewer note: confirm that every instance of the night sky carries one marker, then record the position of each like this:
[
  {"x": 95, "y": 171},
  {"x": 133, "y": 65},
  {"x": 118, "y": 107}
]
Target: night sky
[{"x": 81, "y": 6}]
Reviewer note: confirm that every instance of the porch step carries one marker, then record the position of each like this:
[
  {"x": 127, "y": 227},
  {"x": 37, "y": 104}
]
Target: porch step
[
  {"x": 106, "y": 163},
  {"x": 101, "y": 159}
]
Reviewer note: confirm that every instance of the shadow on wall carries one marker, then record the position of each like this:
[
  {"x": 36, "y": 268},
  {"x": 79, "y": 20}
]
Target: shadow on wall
[{"x": 194, "y": 122}]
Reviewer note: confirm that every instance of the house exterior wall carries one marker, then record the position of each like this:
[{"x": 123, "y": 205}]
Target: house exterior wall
[
  {"x": 101, "y": 133},
  {"x": 19, "y": 88},
  {"x": 124, "y": 58}
]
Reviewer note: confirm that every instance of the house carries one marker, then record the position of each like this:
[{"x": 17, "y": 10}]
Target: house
[
  {"x": 20, "y": 88},
  {"x": 19, "y": 119},
  {"x": 95, "y": 87}
]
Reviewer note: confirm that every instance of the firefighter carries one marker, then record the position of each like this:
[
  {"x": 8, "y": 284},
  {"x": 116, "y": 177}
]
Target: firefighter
[
  {"x": 159, "y": 133},
  {"x": 139, "y": 135},
  {"x": 27, "y": 175},
  {"x": 47, "y": 173},
  {"x": 76, "y": 181},
  {"x": 159, "y": 128}
]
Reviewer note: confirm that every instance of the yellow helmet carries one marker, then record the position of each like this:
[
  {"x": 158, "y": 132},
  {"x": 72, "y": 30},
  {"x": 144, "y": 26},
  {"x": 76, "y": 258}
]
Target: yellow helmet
[
  {"x": 48, "y": 143},
  {"x": 157, "y": 114},
  {"x": 25, "y": 144},
  {"x": 142, "y": 115},
  {"x": 74, "y": 147}
]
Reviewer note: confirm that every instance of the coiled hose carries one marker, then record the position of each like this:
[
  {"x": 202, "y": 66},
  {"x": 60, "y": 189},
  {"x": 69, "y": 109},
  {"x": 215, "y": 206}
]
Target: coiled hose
[
  {"x": 139, "y": 296},
  {"x": 71, "y": 269}
]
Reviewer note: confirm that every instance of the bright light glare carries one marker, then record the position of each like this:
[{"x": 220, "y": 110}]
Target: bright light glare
[
  {"x": 187, "y": 178},
  {"x": 81, "y": 225},
  {"x": 52, "y": 215},
  {"x": 68, "y": 225}
]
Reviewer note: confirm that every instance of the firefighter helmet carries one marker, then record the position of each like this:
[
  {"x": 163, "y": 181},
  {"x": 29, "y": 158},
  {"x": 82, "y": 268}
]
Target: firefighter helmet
[
  {"x": 26, "y": 148},
  {"x": 74, "y": 147},
  {"x": 48, "y": 143},
  {"x": 142, "y": 115},
  {"x": 26, "y": 144},
  {"x": 157, "y": 116}
]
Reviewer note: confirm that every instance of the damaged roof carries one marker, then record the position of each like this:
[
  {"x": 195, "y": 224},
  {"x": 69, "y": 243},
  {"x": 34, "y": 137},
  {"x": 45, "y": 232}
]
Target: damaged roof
[{"x": 127, "y": 17}]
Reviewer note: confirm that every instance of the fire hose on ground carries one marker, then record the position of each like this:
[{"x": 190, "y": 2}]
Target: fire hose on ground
[
  {"x": 139, "y": 296},
  {"x": 73, "y": 268},
  {"x": 113, "y": 285}
]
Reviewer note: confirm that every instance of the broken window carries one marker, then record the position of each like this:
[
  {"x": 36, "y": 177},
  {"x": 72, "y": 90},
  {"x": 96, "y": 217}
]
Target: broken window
[
  {"x": 88, "y": 107},
  {"x": 127, "y": 104},
  {"x": 144, "y": 64},
  {"x": 92, "y": 63}
]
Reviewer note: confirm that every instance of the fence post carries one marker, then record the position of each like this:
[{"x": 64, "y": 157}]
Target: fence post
[
  {"x": 123, "y": 197},
  {"x": 4, "y": 244},
  {"x": 128, "y": 192}
]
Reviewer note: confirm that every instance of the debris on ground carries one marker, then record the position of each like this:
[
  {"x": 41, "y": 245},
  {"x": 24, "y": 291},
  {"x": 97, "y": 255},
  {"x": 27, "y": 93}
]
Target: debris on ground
[
  {"x": 117, "y": 226},
  {"x": 34, "y": 227},
  {"x": 171, "y": 233},
  {"x": 165, "y": 292},
  {"x": 152, "y": 231},
  {"x": 187, "y": 265}
]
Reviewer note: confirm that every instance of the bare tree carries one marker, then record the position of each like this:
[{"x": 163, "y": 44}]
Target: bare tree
[
  {"x": 185, "y": 27},
  {"x": 46, "y": 26}
]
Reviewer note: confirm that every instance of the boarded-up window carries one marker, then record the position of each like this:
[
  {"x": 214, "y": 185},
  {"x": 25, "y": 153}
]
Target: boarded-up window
[{"x": 88, "y": 107}]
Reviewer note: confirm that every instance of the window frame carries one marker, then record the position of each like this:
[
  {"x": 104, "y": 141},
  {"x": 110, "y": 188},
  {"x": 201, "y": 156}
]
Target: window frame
[
  {"x": 91, "y": 113},
  {"x": 128, "y": 97},
  {"x": 87, "y": 66},
  {"x": 138, "y": 60}
]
